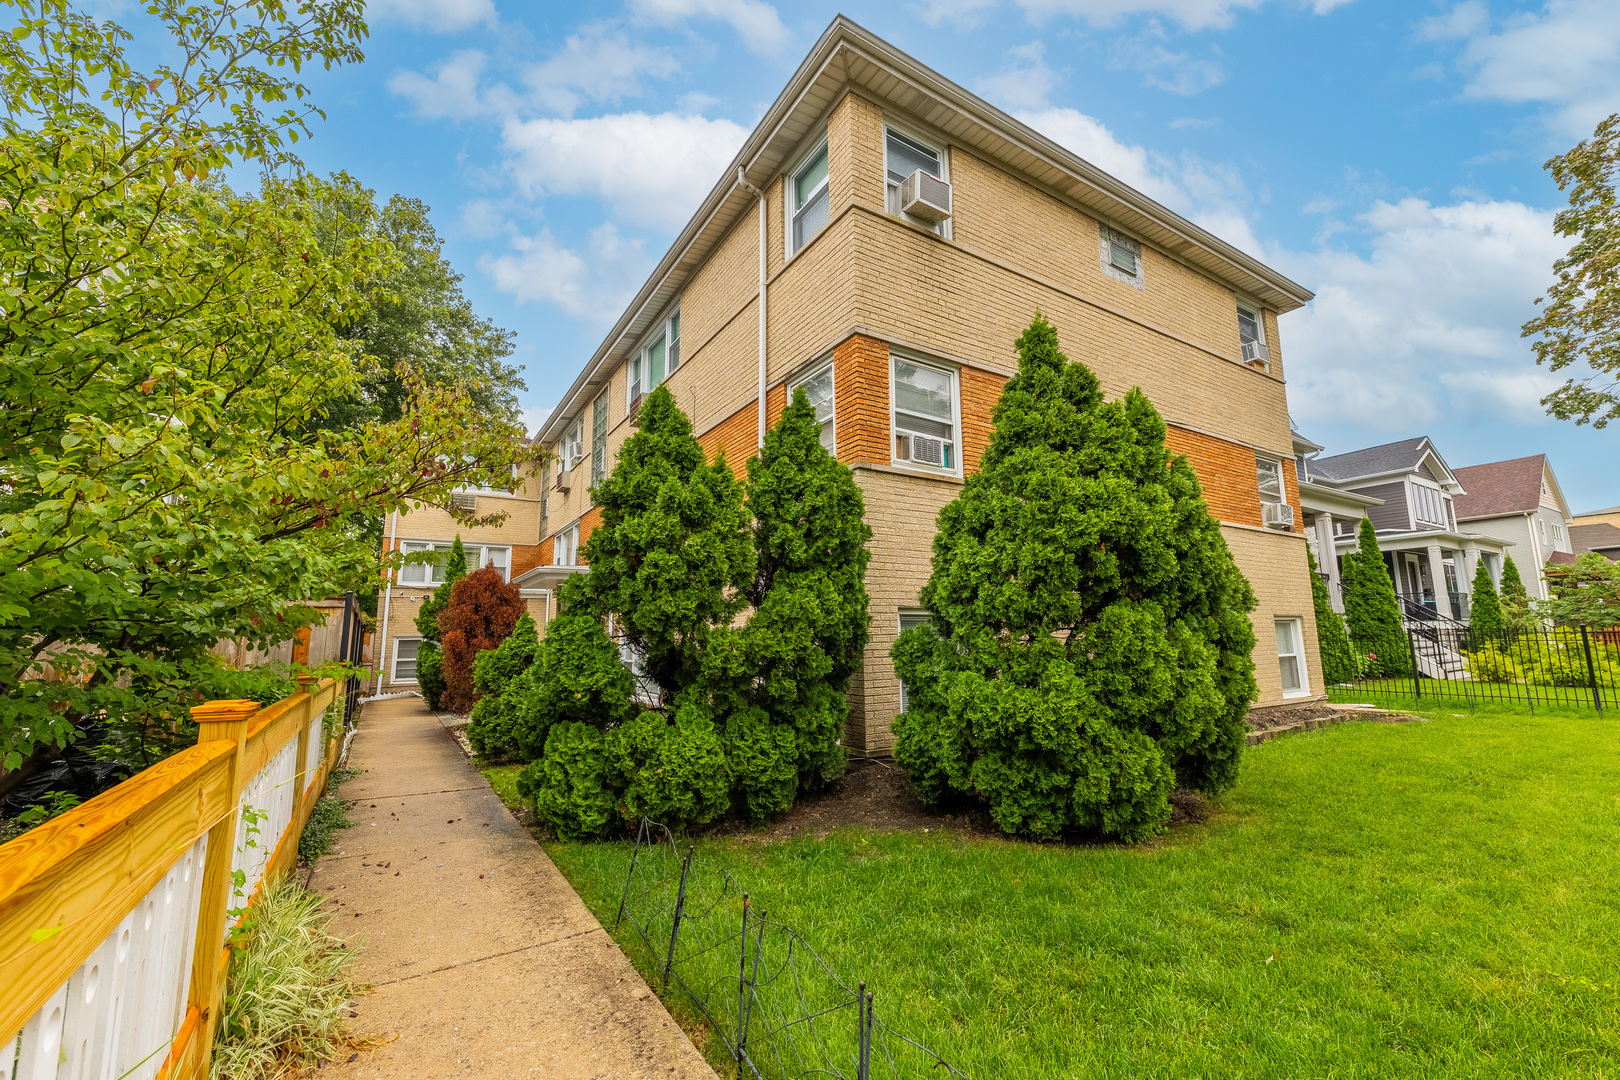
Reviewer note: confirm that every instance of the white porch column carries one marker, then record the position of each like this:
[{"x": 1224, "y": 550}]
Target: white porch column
[
  {"x": 1327, "y": 559},
  {"x": 1437, "y": 578}
]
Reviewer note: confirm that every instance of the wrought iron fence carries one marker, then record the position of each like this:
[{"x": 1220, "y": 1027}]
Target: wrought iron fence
[
  {"x": 778, "y": 1009},
  {"x": 1448, "y": 661}
]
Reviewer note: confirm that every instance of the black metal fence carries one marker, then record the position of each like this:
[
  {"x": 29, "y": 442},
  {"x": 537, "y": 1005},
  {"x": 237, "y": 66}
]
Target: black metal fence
[
  {"x": 1447, "y": 661},
  {"x": 778, "y": 1009}
]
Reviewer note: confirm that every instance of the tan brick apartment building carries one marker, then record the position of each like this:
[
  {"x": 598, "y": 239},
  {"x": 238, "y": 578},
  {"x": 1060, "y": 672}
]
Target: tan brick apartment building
[{"x": 800, "y": 268}]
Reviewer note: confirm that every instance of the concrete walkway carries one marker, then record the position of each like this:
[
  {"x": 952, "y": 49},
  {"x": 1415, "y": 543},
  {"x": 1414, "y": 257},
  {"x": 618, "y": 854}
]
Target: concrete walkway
[{"x": 485, "y": 961}]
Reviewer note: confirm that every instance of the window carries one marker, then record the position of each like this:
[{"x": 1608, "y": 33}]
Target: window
[
  {"x": 810, "y": 201},
  {"x": 1558, "y": 531},
  {"x": 572, "y": 447},
  {"x": 545, "y": 489},
  {"x": 1270, "y": 477},
  {"x": 903, "y": 156},
  {"x": 819, "y": 389},
  {"x": 599, "y": 428},
  {"x": 1429, "y": 506},
  {"x": 1291, "y": 656},
  {"x": 656, "y": 360},
  {"x": 1250, "y": 328},
  {"x": 565, "y": 547},
  {"x": 432, "y": 573},
  {"x": 1121, "y": 257},
  {"x": 1541, "y": 527},
  {"x": 908, "y": 619},
  {"x": 924, "y": 415},
  {"x": 405, "y": 653}
]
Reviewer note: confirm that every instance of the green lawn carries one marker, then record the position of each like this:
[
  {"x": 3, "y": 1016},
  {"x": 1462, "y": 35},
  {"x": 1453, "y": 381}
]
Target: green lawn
[{"x": 1423, "y": 900}]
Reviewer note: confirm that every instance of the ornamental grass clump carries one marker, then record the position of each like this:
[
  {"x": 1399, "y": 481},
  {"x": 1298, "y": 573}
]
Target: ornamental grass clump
[
  {"x": 289, "y": 985},
  {"x": 1090, "y": 644}
]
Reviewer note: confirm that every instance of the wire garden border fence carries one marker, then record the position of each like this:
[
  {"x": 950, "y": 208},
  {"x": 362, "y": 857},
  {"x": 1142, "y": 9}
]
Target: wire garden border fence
[
  {"x": 1447, "y": 661},
  {"x": 778, "y": 1009}
]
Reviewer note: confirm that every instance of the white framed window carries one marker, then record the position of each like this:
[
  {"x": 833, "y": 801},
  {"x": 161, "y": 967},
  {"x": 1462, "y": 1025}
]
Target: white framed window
[
  {"x": 572, "y": 446},
  {"x": 923, "y": 399},
  {"x": 903, "y": 155},
  {"x": 1558, "y": 531},
  {"x": 405, "y": 653},
  {"x": 655, "y": 361},
  {"x": 908, "y": 619},
  {"x": 819, "y": 389},
  {"x": 432, "y": 573},
  {"x": 599, "y": 430},
  {"x": 1429, "y": 506},
  {"x": 565, "y": 547},
  {"x": 809, "y": 200},
  {"x": 1251, "y": 328},
  {"x": 1269, "y": 475},
  {"x": 1541, "y": 527},
  {"x": 1121, "y": 256},
  {"x": 1291, "y": 657}
]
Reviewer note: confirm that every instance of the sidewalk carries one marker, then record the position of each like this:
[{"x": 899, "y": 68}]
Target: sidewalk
[{"x": 485, "y": 961}]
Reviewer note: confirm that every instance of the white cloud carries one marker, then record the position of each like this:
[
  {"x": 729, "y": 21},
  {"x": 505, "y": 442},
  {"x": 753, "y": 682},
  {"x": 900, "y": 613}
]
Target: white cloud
[
  {"x": 1566, "y": 57},
  {"x": 533, "y": 418},
  {"x": 442, "y": 16},
  {"x": 653, "y": 170},
  {"x": 756, "y": 22},
  {"x": 1425, "y": 325},
  {"x": 596, "y": 65},
  {"x": 1162, "y": 69},
  {"x": 1024, "y": 83},
  {"x": 451, "y": 94},
  {"x": 1190, "y": 14},
  {"x": 593, "y": 286}
]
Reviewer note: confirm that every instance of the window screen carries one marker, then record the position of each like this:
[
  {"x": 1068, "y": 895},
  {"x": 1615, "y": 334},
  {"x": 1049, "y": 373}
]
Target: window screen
[{"x": 810, "y": 199}]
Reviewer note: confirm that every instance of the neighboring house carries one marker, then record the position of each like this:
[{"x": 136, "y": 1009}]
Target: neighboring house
[
  {"x": 1330, "y": 512},
  {"x": 1519, "y": 500},
  {"x": 513, "y": 547},
  {"x": 882, "y": 239},
  {"x": 1611, "y": 516},
  {"x": 1602, "y": 538},
  {"x": 1415, "y": 503}
]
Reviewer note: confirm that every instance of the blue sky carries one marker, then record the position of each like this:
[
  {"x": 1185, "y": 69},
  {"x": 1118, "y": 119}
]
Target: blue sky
[{"x": 1386, "y": 155}]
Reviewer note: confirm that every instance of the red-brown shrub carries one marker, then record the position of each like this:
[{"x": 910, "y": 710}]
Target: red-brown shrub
[{"x": 482, "y": 611}]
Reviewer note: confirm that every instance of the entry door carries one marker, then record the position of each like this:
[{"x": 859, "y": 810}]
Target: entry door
[{"x": 1414, "y": 577}]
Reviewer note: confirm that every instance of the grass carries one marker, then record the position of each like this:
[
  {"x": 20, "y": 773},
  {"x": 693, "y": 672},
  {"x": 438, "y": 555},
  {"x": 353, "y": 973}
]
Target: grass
[
  {"x": 288, "y": 988},
  {"x": 503, "y": 778},
  {"x": 1371, "y": 900}
]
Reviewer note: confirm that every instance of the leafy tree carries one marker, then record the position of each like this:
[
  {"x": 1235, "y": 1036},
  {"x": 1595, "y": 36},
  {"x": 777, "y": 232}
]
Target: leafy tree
[
  {"x": 1377, "y": 629},
  {"x": 1485, "y": 608},
  {"x": 1586, "y": 593},
  {"x": 1518, "y": 613},
  {"x": 429, "y": 658},
  {"x": 806, "y": 635},
  {"x": 1090, "y": 646},
  {"x": 484, "y": 609},
  {"x": 1333, "y": 642},
  {"x": 165, "y": 342},
  {"x": 501, "y": 677},
  {"x": 1580, "y": 319}
]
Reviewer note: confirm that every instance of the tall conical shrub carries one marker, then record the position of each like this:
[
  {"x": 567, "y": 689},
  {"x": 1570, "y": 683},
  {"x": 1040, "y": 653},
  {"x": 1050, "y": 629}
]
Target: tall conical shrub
[
  {"x": 430, "y": 680},
  {"x": 1485, "y": 607},
  {"x": 1338, "y": 658},
  {"x": 1518, "y": 615},
  {"x": 484, "y": 609},
  {"x": 1090, "y": 647},
  {"x": 501, "y": 678},
  {"x": 804, "y": 640},
  {"x": 1377, "y": 629}
]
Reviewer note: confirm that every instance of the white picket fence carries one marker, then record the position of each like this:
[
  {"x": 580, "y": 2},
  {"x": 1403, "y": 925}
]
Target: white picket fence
[{"x": 132, "y": 1006}]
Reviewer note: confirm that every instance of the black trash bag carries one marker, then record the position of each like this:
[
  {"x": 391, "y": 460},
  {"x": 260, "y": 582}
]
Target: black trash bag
[{"x": 73, "y": 770}]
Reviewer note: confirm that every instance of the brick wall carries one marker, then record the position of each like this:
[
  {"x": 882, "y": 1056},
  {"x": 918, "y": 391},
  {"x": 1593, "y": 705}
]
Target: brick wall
[{"x": 861, "y": 400}]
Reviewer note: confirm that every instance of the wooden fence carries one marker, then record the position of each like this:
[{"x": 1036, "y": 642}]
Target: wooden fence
[{"x": 114, "y": 916}]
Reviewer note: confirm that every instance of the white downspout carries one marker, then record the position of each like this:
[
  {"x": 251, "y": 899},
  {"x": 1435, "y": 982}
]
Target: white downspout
[
  {"x": 388, "y": 606},
  {"x": 742, "y": 181}
]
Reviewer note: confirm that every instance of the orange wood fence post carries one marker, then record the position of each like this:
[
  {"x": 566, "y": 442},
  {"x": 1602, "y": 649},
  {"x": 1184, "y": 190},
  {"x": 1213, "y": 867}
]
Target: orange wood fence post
[{"x": 226, "y": 720}]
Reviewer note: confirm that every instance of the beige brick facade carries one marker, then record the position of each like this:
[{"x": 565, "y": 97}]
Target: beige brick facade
[{"x": 870, "y": 284}]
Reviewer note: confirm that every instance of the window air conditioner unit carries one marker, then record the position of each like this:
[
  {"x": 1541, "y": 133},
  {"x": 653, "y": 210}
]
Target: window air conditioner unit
[
  {"x": 923, "y": 195},
  {"x": 562, "y": 480},
  {"x": 1278, "y": 516},
  {"x": 464, "y": 500},
  {"x": 636, "y": 403},
  {"x": 1255, "y": 354},
  {"x": 927, "y": 450}
]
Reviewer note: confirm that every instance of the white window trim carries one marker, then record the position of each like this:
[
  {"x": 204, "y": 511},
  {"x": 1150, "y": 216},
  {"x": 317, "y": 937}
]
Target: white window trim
[
  {"x": 1105, "y": 233},
  {"x": 393, "y": 664},
  {"x": 1255, "y": 312},
  {"x": 476, "y": 560},
  {"x": 668, "y": 326},
  {"x": 956, "y": 413},
  {"x": 570, "y": 534},
  {"x": 900, "y": 627},
  {"x": 571, "y": 447},
  {"x": 1282, "y": 488},
  {"x": 816, "y": 144},
  {"x": 942, "y": 149},
  {"x": 1412, "y": 503},
  {"x": 1304, "y": 669},
  {"x": 813, "y": 371}
]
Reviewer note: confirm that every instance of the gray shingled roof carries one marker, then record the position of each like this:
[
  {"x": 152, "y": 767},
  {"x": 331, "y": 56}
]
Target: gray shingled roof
[{"x": 1372, "y": 461}]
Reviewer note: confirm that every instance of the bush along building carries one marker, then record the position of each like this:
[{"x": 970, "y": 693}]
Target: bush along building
[{"x": 881, "y": 240}]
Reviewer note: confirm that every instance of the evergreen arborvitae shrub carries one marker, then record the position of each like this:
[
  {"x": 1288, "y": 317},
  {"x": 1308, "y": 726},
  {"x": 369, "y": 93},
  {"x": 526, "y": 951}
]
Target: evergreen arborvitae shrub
[
  {"x": 1377, "y": 629},
  {"x": 483, "y": 611},
  {"x": 1338, "y": 659},
  {"x": 1485, "y": 607},
  {"x": 501, "y": 677},
  {"x": 577, "y": 677},
  {"x": 1518, "y": 616},
  {"x": 1090, "y": 646},
  {"x": 430, "y": 659},
  {"x": 806, "y": 636}
]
